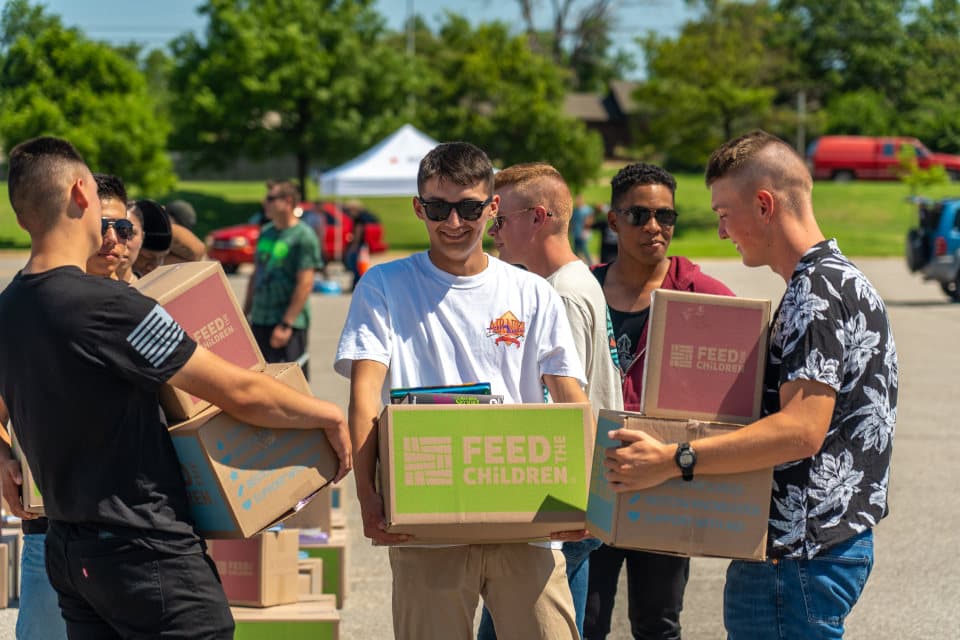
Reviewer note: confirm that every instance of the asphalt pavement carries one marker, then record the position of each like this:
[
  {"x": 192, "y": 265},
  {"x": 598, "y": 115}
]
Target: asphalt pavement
[{"x": 913, "y": 591}]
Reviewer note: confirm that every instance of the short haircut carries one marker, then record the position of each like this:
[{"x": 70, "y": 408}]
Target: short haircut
[
  {"x": 765, "y": 159},
  {"x": 539, "y": 183},
  {"x": 639, "y": 173},
  {"x": 182, "y": 213},
  {"x": 109, "y": 186},
  {"x": 40, "y": 172},
  {"x": 286, "y": 188},
  {"x": 459, "y": 162}
]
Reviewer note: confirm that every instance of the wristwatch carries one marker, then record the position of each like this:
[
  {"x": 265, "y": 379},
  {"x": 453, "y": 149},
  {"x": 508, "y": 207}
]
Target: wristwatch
[
  {"x": 285, "y": 324},
  {"x": 685, "y": 458}
]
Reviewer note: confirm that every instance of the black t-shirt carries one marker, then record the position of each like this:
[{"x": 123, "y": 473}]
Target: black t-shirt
[
  {"x": 627, "y": 329},
  {"x": 81, "y": 362}
]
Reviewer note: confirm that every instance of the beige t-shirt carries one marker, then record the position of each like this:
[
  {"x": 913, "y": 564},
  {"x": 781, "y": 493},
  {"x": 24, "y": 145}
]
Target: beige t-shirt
[{"x": 587, "y": 312}]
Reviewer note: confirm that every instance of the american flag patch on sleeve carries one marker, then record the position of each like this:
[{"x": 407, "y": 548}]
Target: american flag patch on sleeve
[{"x": 156, "y": 336}]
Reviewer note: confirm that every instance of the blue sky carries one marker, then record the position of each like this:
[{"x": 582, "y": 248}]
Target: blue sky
[{"x": 155, "y": 23}]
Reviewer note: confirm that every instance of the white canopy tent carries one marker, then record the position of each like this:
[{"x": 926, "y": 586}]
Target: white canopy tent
[{"x": 389, "y": 168}]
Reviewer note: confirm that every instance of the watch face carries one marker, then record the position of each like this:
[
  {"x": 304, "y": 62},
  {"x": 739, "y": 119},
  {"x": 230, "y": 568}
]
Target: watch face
[{"x": 686, "y": 459}]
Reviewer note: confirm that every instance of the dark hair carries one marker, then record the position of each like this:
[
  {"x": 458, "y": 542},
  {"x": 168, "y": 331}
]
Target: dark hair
[
  {"x": 182, "y": 212},
  {"x": 133, "y": 209},
  {"x": 287, "y": 188},
  {"x": 109, "y": 186},
  {"x": 39, "y": 172},
  {"x": 639, "y": 173},
  {"x": 157, "y": 234},
  {"x": 733, "y": 155},
  {"x": 459, "y": 162}
]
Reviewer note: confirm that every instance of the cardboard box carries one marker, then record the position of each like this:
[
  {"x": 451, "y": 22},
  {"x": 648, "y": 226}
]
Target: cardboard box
[
  {"x": 334, "y": 556},
  {"x": 316, "y": 515},
  {"x": 316, "y": 619},
  {"x": 243, "y": 479},
  {"x": 712, "y": 515},
  {"x": 706, "y": 357},
  {"x": 310, "y": 577},
  {"x": 485, "y": 473},
  {"x": 29, "y": 493},
  {"x": 261, "y": 571},
  {"x": 199, "y": 297},
  {"x": 12, "y": 539}
]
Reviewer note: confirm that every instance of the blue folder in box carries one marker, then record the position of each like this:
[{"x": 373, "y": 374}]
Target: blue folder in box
[{"x": 479, "y": 388}]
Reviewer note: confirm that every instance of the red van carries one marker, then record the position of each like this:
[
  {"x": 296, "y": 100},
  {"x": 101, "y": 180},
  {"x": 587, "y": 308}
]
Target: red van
[{"x": 844, "y": 158}]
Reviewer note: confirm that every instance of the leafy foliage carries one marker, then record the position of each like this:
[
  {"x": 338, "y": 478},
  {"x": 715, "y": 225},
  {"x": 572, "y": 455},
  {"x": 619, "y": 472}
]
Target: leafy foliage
[{"x": 53, "y": 81}]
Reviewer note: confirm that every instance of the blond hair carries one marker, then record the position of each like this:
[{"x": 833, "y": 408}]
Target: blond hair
[{"x": 539, "y": 183}]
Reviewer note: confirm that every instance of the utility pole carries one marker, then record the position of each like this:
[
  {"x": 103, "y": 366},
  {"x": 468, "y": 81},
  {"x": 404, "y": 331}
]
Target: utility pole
[
  {"x": 801, "y": 122},
  {"x": 411, "y": 52}
]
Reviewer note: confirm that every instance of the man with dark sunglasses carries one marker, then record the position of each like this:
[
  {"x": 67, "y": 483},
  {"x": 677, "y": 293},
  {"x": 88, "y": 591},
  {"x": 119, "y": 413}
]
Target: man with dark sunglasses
[
  {"x": 287, "y": 257},
  {"x": 114, "y": 226},
  {"x": 431, "y": 319},
  {"x": 643, "y": 213}
]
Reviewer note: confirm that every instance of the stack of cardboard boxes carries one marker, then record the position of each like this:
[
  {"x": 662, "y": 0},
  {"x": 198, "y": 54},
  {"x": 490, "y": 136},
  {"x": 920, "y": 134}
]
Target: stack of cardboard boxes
[
  {"x": 703, "y": 375},
  {"x": 243, "y": 480}
]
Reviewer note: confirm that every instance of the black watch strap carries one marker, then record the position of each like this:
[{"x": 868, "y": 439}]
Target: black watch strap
[
  {"x": 686, "y": 459},
  {"x": 285, "y": 324}
]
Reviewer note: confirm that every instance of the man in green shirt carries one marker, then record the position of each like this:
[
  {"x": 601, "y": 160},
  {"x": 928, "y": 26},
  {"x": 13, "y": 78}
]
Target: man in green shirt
[{"x": 288, "y": 254}]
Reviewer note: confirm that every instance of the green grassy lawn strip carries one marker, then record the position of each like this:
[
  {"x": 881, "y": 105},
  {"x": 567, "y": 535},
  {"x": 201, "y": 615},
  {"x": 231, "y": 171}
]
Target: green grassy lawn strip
[{"x": 868, "y": 218}]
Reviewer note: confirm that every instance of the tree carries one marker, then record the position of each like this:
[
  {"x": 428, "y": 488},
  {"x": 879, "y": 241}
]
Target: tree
[
  {"x": 714, "y": 81},
  {"x": 579, "y": 40},
  {"x": 53, "y": 81},
  {"x": 314, "y": 78},
  {"x": 485, "y": 85}
]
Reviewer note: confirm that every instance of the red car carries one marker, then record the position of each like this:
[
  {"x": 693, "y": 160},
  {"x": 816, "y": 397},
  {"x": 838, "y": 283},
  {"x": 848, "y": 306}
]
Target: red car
[{"x": 236, "y": 245}]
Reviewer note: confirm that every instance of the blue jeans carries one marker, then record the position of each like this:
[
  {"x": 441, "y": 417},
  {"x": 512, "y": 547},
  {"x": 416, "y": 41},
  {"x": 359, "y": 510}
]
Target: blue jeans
[
  {"x": 577, "y": 555},
  {"x": 39, "y": 615},
  {"x": 797, "y": 598}
]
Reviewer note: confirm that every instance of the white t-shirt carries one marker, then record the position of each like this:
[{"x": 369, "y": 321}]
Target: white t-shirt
[
  {"x": 586, "y": 309},
  {"x": 504, "y": 326}
]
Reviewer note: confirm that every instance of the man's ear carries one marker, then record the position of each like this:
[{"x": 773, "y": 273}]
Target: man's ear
[
  {"x": 612, "y": 220},
  {"x": 766, "y": 202},
  {"x": 77, "y": 196},
  {"x": 417, "y": 209}
]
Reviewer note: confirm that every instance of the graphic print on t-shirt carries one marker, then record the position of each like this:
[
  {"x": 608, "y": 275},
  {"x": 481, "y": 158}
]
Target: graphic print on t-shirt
[
  {"x": 508, "y": 329},
  {"x": 156, "y": 336}
]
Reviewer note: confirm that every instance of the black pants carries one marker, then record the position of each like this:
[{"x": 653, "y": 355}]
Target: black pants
[
  {"x": 655, "y": 586},
  {"x": 112, "y": 588},
  {"x": 290, "y": 353}
]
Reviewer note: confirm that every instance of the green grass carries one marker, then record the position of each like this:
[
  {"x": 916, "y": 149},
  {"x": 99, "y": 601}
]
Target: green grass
[{"x": 868, "y": 218}]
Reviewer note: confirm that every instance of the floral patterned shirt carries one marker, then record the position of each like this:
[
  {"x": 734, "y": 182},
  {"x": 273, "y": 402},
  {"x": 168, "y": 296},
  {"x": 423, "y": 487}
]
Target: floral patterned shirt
[{"x": 832, "y": 327}]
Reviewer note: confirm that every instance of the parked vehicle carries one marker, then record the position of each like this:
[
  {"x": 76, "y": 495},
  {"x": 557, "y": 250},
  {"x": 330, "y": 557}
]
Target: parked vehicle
[
  {"x": 236, "y": 245},
  {"x": 844, "y": 158},
  {"x": 933, "y": 247}
]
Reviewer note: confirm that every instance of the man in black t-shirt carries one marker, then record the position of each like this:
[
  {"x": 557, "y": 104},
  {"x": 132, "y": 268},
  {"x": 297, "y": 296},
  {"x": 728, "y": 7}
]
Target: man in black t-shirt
[{"x": 80, "y": 366}]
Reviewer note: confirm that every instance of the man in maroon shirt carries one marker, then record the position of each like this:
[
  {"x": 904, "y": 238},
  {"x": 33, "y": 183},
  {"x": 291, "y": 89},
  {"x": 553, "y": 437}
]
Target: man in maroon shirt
[{"x": 644, "y": 216}]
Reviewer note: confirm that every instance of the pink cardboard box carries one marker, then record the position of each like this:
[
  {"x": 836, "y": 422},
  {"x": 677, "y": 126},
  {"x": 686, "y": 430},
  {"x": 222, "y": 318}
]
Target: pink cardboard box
[
  {"x": 199, "y": 297},
  {"x": 262, "y": 571},
  {"x": 706, "y": 357}
]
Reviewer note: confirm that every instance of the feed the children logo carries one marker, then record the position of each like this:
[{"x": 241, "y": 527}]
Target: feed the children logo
[
  {"x": 486, "y": 460},
  {"x": 508, "y": 329},
  {"x": 704, "y": 358}
]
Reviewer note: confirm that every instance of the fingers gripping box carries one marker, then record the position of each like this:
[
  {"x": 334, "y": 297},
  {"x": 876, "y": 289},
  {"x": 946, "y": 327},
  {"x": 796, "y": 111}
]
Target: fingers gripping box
[
  {"x": 199, "y": 297},
  {"x": 484, "y": 473},
  {"x": 241, "y": 479},
  {"x": 712, "y": 515},
  {"x": 706, "y": 357}
]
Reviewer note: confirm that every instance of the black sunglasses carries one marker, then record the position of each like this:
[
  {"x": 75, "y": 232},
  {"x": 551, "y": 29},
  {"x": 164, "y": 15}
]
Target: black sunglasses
[
  {"x": 122, "y": 226},
  {"x": 439, "y": 210},
  {"x": 270, "y": 197},
  {"x": 639, "y": 216}
]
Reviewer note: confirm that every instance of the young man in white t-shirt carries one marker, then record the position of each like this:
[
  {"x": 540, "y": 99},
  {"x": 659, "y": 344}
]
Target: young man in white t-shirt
[
  {"x": 427, "y": 320},
  {"x": 531, "y": 229}
]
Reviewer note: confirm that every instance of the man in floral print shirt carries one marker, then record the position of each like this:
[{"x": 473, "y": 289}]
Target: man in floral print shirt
[{"x": 829, "y": 406}]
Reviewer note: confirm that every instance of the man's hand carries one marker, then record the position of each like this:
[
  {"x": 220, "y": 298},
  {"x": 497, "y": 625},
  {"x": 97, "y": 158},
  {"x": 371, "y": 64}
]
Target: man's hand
[
  {"x": 641, "y": 462},
  {"x": 375, "y": 523},
  {"x": 570, "y": 536},
  {"x": 281, "y": 336},
  {"x": 339, "y": 438},
  {"x": 11, "y": 479}
]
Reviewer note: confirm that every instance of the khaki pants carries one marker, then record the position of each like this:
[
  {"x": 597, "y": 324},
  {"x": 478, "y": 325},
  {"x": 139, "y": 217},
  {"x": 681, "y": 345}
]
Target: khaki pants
[{"x": 436, "y": 592}]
